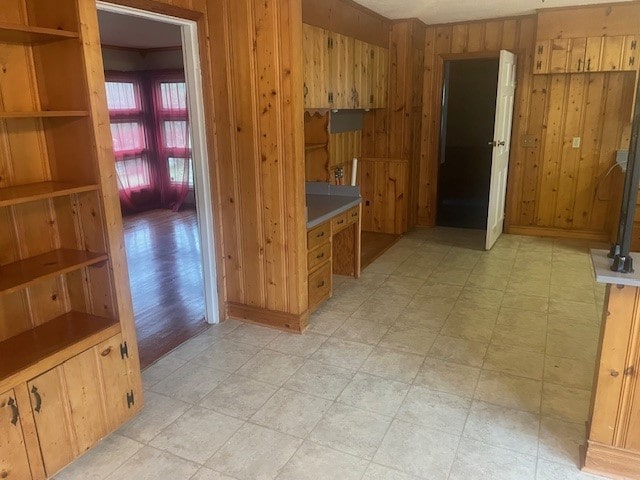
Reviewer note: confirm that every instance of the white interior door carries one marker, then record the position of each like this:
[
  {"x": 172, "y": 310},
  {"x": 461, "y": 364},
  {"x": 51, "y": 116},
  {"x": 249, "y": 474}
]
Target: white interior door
[{"x": 501, "y": 144}]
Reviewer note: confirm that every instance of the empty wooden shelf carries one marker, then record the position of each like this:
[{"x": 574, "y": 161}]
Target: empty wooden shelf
[
  {"x": 17, "y": 275},
  {"x": 39, "y": 191},
  {"x": 53, "y": 342},
  {"x": 45, "y": 114},
  {"x": 27, "y": 34}
]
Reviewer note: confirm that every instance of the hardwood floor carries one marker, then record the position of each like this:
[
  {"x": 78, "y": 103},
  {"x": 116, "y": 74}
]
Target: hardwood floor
[
  {"x": 165, "y": 271},
  {"x": 375, "y": 244}
]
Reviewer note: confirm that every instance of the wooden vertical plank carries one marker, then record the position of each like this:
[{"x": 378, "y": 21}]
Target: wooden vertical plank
[
  {"x": 493, "y": 35},
  {"x": 569, "y": 156},
  {"x": 613, "y": 49},
  {"x": 459, "y": 38},
  {"x": 475, "y": 41}
]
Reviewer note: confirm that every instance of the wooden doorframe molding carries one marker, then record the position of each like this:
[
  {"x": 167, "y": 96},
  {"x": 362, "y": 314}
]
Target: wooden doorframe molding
[{"x": 162, "y": 8}]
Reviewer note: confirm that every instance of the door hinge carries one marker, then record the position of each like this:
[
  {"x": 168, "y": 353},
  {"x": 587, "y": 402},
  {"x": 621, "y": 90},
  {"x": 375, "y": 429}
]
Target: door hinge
[
  {"x": 330, "y": 97},
  {"x": 329, "y": 42},
  {"x": 633, "y": 45},
  {"x": 371, "y": 99},
  {"x": 124, "y": 350},
  {"x": 632, "y": 60},
  {"x": 130, "y": 399},
  {"x": 540, "y": 49}
]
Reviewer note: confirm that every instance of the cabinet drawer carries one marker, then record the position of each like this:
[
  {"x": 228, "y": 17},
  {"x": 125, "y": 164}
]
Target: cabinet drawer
[
  {"x": 318, "y": 235},
  {"x": 318, "y": 256},
  {"x": 320, "y": 285},
  {"x": 339, "y": 222},
  {"x": 353, "y": 215}
]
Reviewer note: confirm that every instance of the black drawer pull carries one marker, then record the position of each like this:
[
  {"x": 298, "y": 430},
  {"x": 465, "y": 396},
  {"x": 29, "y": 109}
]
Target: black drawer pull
[
  {"x": 340, "y": 222},
  {"x": 321, "y": 284},
  {"x": 38, "y": 398},
  {"x": 320, "y": 235},
  {"x": 354, "y": 214},
  {"x": 320, "y": 256},
  {"x": 14, "y": 411}
]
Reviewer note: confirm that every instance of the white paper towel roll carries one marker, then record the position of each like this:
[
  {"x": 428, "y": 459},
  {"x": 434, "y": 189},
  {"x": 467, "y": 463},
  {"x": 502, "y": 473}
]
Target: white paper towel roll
[{"x": 354, "y": 172}]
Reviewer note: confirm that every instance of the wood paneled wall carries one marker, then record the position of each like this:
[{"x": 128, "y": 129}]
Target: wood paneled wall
[
  {"x": 384, "y": 184},
  {"x": 553, "y": 189},
  {"x": 394, "y": 133},
  {"x": 259, "y": 139}
]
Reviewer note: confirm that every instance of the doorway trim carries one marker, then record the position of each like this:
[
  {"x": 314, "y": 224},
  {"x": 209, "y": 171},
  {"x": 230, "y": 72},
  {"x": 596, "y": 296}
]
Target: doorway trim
[{"x": 199, "y": 152}]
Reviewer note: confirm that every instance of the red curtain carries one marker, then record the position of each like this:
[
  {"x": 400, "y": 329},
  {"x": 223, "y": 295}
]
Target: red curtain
[
  {"x": 151, "y": 139},
  {"x": 173, "y": 138}
]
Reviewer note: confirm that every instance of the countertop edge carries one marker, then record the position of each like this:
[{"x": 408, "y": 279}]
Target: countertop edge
[{"x": 327, "y": 216}]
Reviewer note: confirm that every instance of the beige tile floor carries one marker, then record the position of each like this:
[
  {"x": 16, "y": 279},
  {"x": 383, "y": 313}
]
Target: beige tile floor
[{"x": 441, "y": 362}]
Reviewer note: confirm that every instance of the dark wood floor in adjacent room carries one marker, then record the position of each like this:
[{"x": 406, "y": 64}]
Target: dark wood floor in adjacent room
[
  {"x": 374, "y": 245},
  {"x": 165, "y": 270}
]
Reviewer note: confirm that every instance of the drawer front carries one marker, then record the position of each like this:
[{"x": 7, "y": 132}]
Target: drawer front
[
  {"x": 353, "y": 215},
  {"x": 339, "y": 222},
  {"x": 320, "y": 285},
  {"x": 318, "y": 256},
  {"x": 318, "y": 235}
]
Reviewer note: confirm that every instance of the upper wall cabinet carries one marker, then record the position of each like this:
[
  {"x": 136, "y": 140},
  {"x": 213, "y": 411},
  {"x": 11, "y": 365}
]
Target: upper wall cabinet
[
  {"x": 586, "y": 54},
  {"x": 342, "y": 72}
]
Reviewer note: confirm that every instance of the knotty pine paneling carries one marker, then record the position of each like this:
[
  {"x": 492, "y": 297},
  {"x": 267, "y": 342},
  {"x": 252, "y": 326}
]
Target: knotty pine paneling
[
  {"x": 384, "y": 185},
  {"x": 553, "y": 188}
]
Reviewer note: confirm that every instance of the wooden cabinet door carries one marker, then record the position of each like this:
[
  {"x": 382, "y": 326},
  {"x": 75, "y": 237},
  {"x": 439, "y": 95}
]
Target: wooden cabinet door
[
  {"x": 88, "y": 410},
  {"x": 559, "y": 55},
  {"x": 577, "y": 54},
  {"x": 52, "y": 415},
  {"x": 629, "y": 60},
  {"x": 541, "y": 57},
  {"x": 316, "y": 67},
  {"x": 380, "y": 77},
  {"x": 119, "y": 394},
  {"x": 342, "y": 72},
  {"x": 14, "y": 462},
  {"x": 363, "y": 64},
  {"x": 593, "y": 54},
  {"x": 612, "y": 52}
]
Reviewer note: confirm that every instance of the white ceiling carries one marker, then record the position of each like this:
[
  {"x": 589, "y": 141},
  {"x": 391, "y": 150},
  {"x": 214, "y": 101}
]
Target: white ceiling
[
  {"x": 134, "y": 32},
  {"x": 447, "y": 11}
]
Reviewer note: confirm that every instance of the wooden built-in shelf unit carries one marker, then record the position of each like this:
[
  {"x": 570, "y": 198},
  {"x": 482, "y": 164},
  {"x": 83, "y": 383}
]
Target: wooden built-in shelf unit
[{"x": 61, "y": 335}]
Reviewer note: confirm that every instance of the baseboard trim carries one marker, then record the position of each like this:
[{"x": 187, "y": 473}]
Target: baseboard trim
[
  {"x": 288, "y": 322},
  {"x": 610, "y": 461},
  {"x": 557, "y": 233}
]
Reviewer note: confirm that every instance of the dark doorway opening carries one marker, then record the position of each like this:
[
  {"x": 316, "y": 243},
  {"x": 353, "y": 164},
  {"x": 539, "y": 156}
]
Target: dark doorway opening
[{"x": 468, "y": 116}]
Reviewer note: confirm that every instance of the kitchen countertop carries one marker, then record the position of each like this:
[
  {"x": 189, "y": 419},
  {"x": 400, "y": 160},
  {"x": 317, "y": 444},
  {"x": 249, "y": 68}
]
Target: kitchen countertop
[
  {"x": 603, "y": 273},
  {"x": 325, "y": 201}
]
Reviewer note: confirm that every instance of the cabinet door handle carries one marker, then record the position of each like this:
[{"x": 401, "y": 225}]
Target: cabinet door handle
[
  {"x": 14, "y": 411},
  {"x": 589, "y": 65},
  {"x": 106, "y": 351},
  {"x": 38, "y": 398},
  {"x": 579, "y": 64}
]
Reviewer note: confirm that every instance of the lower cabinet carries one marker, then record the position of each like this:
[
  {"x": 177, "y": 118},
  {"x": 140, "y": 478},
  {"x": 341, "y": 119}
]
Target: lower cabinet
[
  {"x": 14, "y": 462},
  {"x": 74, "y": 405}
]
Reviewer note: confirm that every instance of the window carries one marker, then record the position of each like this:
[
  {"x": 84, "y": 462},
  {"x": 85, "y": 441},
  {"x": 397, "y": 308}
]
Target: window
[
  {"x": 129, "y": 133},
  {"x": 175, "y": 137}
]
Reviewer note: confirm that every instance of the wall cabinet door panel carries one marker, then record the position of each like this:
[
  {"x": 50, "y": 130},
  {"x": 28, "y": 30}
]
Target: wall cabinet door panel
[
  {"x": 612, "y": 51},
  {"x": 363, "y": 74},
  {"x": 316, "y": 67},
  {"x": 380, "y": 73},
  {"x": 14, "y": 462},
  {"x": 342, "y": 85},
  {"x": 51, "y": 409},
  {"x": 593, "y": 54},
  {"x": 559, "y": 55},
  {"x": 577, "y": 55}
]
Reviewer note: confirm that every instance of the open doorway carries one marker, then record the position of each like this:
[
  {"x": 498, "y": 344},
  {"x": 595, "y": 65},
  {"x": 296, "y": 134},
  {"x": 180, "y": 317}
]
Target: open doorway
[
  {"x": 469, "y": 110},
  {"x": 475, "y": 140},
  {"x": 154, "y": 98}
]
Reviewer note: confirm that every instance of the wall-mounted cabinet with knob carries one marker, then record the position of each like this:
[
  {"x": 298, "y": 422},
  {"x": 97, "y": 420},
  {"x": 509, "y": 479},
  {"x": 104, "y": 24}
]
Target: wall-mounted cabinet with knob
[
  {"x": 342, "y": 72},
  {"x": 586, "y": 54}
]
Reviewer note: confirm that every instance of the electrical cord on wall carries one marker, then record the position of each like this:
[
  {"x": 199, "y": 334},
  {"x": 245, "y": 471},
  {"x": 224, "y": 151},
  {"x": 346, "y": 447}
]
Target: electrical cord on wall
[{"x": 596, "y": 195}]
